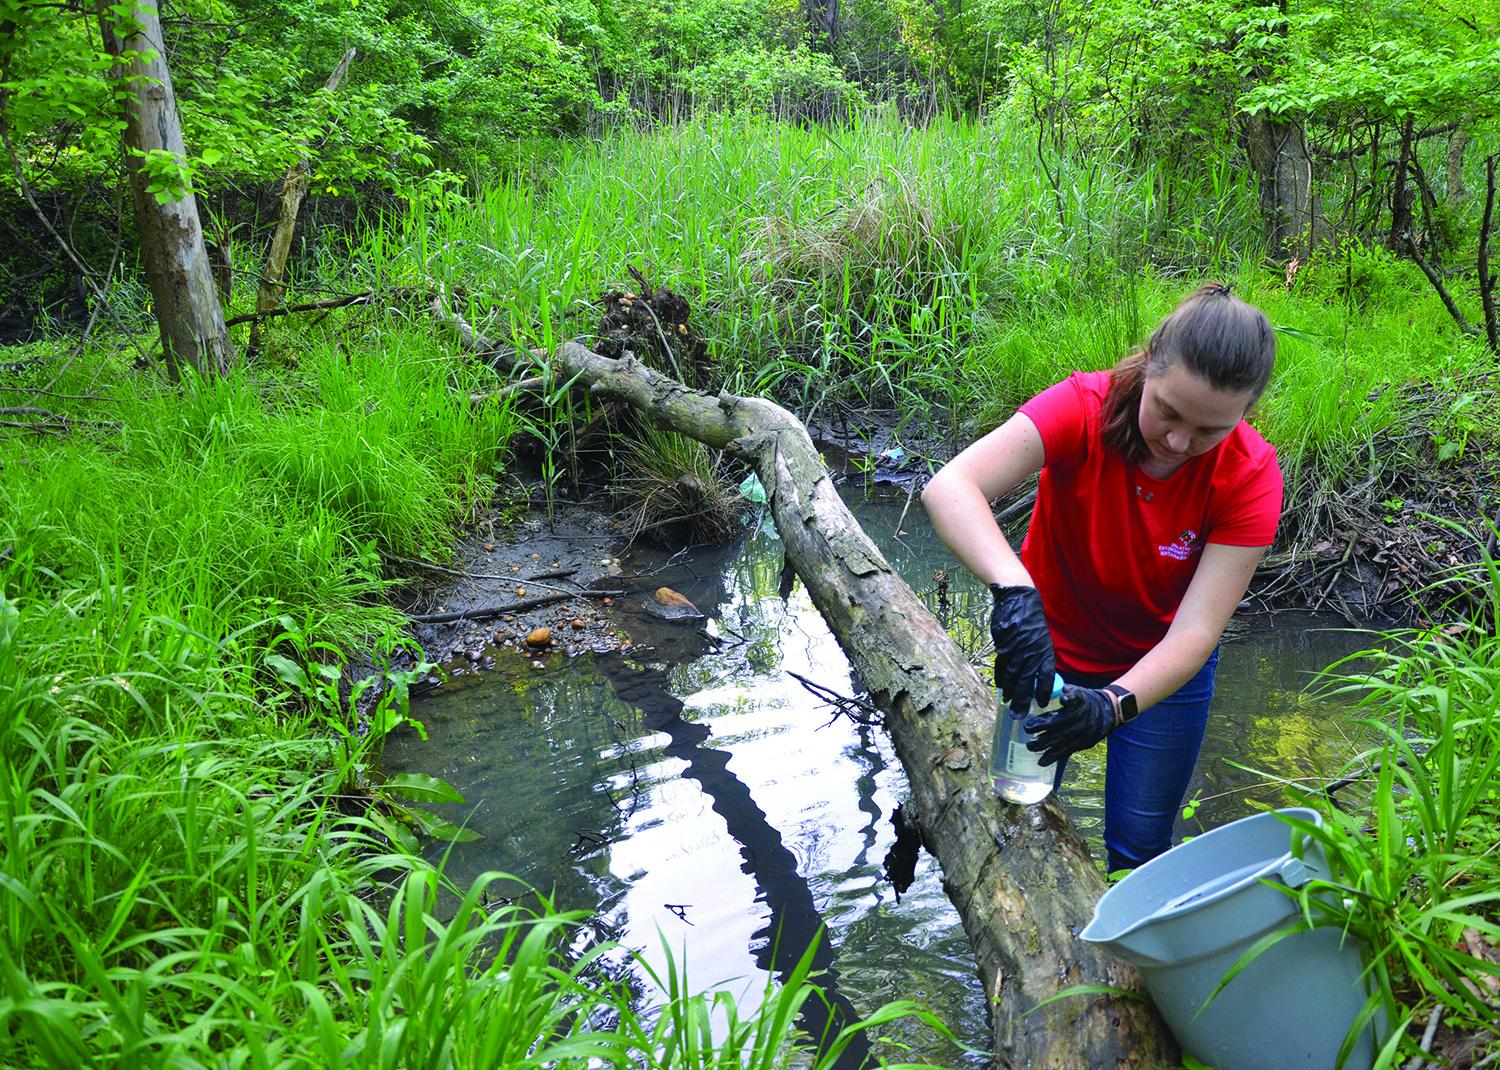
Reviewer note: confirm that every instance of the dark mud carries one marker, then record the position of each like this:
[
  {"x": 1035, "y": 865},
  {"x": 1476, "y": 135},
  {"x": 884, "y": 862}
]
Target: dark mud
[{"x": 570, "y": 556}]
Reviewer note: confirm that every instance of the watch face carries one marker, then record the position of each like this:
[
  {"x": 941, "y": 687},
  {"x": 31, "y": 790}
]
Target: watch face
[{"x": 1128, "y": 708}]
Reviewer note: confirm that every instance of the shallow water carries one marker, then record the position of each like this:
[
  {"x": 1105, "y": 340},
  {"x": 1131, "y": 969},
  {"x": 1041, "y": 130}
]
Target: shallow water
[{"x": 697, "y": 793}]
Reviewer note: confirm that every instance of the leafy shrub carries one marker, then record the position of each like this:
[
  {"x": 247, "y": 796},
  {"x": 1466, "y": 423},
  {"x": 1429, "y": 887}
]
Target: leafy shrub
[{"x": 784, "y": 83}]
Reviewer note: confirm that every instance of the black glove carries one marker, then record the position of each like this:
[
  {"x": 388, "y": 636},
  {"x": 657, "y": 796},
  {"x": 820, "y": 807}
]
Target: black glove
[
  {"x": 1083, "y": 717},
  {"x": 1024, "y": 664}
]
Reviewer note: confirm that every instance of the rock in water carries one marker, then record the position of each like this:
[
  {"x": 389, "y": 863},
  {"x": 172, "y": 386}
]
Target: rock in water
[
  {"x": 539, "y": 637},
  {"x": 669, "y": 605}
]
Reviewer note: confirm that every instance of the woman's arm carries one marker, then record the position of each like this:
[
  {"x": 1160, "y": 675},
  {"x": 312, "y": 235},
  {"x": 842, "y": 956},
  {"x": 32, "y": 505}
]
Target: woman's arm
[
  {"x": 958, "y": 499},
  {"x": 1217, "y": 586}
]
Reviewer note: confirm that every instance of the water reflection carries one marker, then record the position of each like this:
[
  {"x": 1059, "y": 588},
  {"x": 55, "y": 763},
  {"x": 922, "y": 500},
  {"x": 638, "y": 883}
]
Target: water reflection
[{"x": 699, "y": 794}]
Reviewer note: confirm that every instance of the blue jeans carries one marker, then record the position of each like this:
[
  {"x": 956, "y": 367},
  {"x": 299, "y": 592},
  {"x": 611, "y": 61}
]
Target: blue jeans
[{"x": 1148, "y": 767}]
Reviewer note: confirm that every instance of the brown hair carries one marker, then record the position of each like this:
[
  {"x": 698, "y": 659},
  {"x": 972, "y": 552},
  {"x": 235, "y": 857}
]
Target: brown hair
[{"x": 1226, "y": 342}]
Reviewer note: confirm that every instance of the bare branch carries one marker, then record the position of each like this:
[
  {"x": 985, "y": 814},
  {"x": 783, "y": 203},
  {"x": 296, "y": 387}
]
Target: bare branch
[
  {"x": 1437, "y": 284},
  {"x": 1486, "y": 280},
  {"x": 271, "y": 313}
]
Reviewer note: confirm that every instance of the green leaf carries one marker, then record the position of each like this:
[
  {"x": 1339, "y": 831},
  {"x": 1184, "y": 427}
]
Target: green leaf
[
  {"x": 420, "y": 787},
  {"x": 289, "y": 672},
  {"x": 439, "y": 829}
]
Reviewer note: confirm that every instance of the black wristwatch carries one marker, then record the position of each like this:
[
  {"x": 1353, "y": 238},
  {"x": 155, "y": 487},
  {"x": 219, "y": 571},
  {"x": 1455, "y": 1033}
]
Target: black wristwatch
[{"x": 1126, "y": 702}]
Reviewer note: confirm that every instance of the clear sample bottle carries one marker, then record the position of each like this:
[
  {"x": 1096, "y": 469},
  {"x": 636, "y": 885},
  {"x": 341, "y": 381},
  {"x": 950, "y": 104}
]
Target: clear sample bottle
[{"x": 1016, "y": 772}]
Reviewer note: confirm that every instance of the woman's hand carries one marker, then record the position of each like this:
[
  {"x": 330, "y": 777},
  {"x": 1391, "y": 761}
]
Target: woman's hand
[
  {"x": 1024, "y": 663},
  {"x": 1084, "y": 717}
]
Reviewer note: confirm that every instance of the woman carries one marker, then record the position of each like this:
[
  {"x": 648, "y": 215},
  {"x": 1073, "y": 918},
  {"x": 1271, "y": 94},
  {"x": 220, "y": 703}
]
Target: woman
[{"x": 1156, "y": 503}]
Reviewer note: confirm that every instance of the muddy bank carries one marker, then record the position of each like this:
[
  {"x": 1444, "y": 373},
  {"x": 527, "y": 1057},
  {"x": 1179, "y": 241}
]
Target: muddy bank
[
  {"x": 499, "y": 574},
  {"x": 602, "y": 594}
]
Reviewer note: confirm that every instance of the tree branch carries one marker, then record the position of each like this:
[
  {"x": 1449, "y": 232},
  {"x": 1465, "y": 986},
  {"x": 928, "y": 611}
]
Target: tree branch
[
  {"x": 1486, "y": 280},
  {"x": 287, "y": 310},
  {"x": 1437, "y": 284},
  {"x": 293, "y": 190},
  {"x": 1333, "y": 156}
]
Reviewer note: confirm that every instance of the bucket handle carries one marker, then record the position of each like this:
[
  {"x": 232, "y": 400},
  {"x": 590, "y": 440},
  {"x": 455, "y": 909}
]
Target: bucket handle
[
  {"x": 1295, "y": 873},
  {"x": 1292, "y": 872}
]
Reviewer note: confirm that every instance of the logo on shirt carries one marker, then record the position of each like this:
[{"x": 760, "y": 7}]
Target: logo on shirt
[{"x": 1183, "y": 547}]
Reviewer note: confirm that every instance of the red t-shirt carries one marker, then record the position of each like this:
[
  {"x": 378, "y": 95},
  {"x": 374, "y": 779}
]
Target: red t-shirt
[{"x": 1111, "y": 549}]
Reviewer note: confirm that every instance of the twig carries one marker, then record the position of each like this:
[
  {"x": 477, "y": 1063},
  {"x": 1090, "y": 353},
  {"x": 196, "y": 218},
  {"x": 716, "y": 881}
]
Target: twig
[
  {"x": 1419, "y": 1061},
  {"x": 88, "y": 329},
  {"x": 660, "y": 333},
  {"x": 1486, "y": 281},
  {"x": 1442, "y": 291},
  {"x": 272, "y": 313},
  {"x": 86, "y": 272},
  {"x": 487, "y": 611},
  {"x": 842, "y": 704},
  {"x": 40, "y": 427},
  {"x": 911, "y": 491},
  {"x": 534, "y": 581}
]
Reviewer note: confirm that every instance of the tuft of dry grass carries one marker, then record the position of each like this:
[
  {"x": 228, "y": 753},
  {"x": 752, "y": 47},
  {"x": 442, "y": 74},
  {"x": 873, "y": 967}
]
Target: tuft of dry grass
[
  {"x": 882, "y": 237},
  {"x": 675, "y": 488}
]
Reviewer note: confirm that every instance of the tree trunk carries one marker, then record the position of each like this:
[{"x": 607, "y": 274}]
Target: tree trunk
[
  {"x": 1290, "y": 207},
  {"x": 293, "y": 190},
  {"x": 825, "y": 16},
  {"x": 1400, "y": 194},
  {"x": 1021, "y": 877},
  {"x": 177, "y": 265},
  {"x": 1457, "y": 142}
]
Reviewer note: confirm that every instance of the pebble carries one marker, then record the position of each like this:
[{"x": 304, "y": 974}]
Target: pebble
[
  {"x": 489, "y": 547},
  {"x": 539, "y": 637},
  {"x": 520, "y": 592},
  {"x": 579, "y": 624},
  {"x": 538, "y": 664}
]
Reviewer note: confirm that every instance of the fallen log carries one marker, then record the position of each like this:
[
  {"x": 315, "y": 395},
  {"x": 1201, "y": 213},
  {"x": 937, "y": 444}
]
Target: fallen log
[{"x": 1021, "y": 877}]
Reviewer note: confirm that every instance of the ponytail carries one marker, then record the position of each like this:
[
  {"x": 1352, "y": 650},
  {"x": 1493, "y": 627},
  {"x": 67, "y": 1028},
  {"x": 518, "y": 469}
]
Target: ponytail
[{"x": 1122, "y": 404}]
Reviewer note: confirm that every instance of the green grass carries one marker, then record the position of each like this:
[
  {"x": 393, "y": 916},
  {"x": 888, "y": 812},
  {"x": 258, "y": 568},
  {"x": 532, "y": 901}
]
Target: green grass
[{"x": 941, "y": 272}]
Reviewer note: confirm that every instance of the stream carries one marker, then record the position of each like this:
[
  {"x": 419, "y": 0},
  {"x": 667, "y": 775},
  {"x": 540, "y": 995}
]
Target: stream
[{"x": 699, "y": 797}]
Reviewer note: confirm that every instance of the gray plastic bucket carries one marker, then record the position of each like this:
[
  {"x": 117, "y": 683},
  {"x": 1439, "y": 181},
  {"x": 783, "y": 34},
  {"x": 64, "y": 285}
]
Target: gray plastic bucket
[{"x": 1184, "y": 918}]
